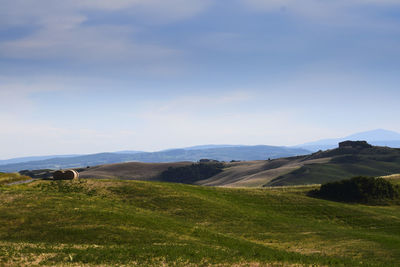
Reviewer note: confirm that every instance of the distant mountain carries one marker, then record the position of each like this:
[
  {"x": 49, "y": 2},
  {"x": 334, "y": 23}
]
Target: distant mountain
[
  {"x": 377, "y": 137},
  {"x": 38, "y": 158},
  {"x": 174, "y": 155},
  {"x": 129, "y": 152},
  {"x": 34, "y": 158},
  {"x": 199, "y": 147},
  {"x": 210, "y": 146}
]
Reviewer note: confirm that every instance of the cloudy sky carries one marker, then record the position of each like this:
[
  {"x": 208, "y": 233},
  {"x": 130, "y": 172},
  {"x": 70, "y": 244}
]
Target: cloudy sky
[{"x": 86, "y": 76}]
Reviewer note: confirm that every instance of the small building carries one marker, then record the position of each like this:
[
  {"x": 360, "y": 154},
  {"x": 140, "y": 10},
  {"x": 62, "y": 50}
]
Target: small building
[
  {"x": 354, "y": 144},
  {"x": 207, "y": 160}
]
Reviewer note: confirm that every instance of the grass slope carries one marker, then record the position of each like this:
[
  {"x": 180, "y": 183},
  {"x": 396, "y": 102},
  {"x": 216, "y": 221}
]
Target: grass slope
[
  {"x": 102, "y": 222},
  {"x": 6, "y": 178},
  {"x": 393, "y": 178},
  {"x": 235, "y": 174},
  {"x": 257, "y": 173},
  {"x": 343, "y": 164},
  {"x": 130, "y": 170}
]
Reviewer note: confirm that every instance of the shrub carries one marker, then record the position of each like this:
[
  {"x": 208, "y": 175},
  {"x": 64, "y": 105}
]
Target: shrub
[{"x": 359, "y": 189}]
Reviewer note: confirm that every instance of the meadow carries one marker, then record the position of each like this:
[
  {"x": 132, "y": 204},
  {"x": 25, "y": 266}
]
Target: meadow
[
  {"x": 7, "y": 178},
  {"x": 104, "y": 222}
]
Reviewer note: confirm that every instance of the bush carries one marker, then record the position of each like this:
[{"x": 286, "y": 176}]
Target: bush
[
  {"x": 359, "y": 189},
  {"x": 192, "y": 173}
]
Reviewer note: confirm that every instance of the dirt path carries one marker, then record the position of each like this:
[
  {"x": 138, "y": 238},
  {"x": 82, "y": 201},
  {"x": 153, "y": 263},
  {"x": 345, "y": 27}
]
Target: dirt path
[{"x": 21, "y": 182}]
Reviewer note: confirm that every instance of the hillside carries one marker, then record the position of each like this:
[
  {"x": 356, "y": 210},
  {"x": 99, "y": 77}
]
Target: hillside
[
  {"x": 129, "y": 171},
  {"x": 102, "y": 223},
  {"x": 316, "y": 168},
  {"x": 7, "y": 178},
  {"x": 175, "y": 155},
  {"x": 256, "y": 173},
  {"x": 344, "y": 163},
  {"x": 235, "y": 174}
]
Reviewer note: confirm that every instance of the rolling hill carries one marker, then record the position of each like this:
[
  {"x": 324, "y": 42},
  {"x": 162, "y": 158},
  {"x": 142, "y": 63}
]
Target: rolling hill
[
  {"x": 257, "y": 173},
  {"x": 223, "y": 152},
  {"x": 134, "y": 223},
  {"x": 129, "y": 171},
  {"x": 175, "y": 155},
  {"x": 343, "y": 163},
  {"x": 234, "y": 174},
  {"x": 316, "y": 168}
]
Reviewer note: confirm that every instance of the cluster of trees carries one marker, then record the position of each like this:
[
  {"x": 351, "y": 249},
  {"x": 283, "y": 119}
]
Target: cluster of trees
[
  {"x": 192, "y": 173},
  {"x": 359, "y": 189}
]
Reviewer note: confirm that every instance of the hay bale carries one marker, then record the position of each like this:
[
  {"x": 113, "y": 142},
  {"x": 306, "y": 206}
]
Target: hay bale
[
  {"x": 65, "y": 175},
  {"x": 58, "y": 175},
  {"x": 71, "y": 174}
]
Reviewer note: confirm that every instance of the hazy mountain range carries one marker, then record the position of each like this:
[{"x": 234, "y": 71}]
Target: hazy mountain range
[
  {"x": 377, "y": 137},
  {"x": 224, "y": 152}
]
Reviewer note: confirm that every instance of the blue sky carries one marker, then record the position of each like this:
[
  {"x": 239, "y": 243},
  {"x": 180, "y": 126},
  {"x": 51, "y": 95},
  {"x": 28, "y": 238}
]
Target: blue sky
[{"x": 90, "y": 76}]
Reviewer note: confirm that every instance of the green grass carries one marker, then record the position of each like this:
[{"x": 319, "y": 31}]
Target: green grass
[
  {"x": 6, "y": 178},
  {"x": 394, "y": 178},
  {"x": 99, "y": 222}
]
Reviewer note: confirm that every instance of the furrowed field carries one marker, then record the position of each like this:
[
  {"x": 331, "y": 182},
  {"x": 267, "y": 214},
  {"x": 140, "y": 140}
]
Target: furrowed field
[{"x": 103, "y": 222}]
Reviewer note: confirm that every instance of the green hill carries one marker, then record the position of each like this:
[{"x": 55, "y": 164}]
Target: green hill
[
  {"x": 129, "y": 170},
  {"x": 114, "y": 222},
  {"x": 345, "y": 162},
  {"x": 317, "y": 168},
  {"x": 6, "y": 178}
]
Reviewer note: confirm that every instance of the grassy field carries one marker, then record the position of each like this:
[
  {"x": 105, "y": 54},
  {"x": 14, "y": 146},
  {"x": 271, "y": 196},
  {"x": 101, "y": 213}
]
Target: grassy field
[
  {"x": 394, "y": 178},
  {"x": 6, "y": 178},
  {"x": 104, "y": 222}
]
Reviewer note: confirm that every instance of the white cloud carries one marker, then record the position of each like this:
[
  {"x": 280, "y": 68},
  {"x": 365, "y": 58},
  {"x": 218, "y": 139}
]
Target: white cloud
[
  {"x": 69, "y": 40},
  {"x": 30, "y": 11},
  {"x": 156, "y": 10},
  {"x": 61, "y": 30}
]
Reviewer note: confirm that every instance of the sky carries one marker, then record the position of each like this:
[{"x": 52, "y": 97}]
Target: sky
[{"x": 88, "y": 76}]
